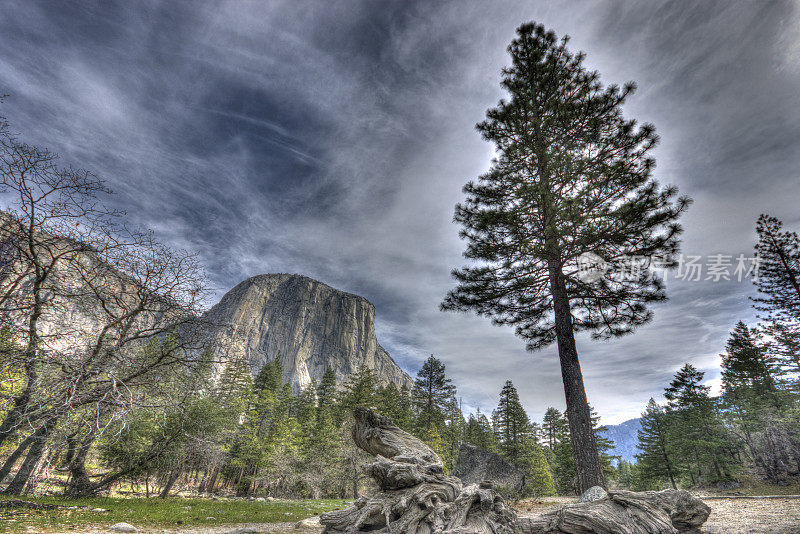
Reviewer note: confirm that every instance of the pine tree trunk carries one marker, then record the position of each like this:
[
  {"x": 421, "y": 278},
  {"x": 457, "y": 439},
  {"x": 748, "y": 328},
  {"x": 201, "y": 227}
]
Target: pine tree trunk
[
  {"x": 669, "y": 471},
  {"x": 584, "y": 447}
]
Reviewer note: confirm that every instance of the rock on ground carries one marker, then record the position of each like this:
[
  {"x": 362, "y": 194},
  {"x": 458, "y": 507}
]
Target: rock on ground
[
  {"x": 595, "y": 493},
  {"x": 123, "y": 527},
  {"x": 311, "y": 522}
]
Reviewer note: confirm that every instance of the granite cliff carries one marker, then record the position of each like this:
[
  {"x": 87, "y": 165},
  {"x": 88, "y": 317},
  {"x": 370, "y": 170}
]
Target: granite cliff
[{"x": 311, "y": 325}]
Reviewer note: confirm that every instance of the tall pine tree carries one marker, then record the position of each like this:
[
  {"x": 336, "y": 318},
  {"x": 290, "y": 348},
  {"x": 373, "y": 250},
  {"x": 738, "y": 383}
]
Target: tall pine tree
[
  {"x": 572, "y": 178},
  {"x": 512, "y": 424},
  {"x": 432, "y": 393},
  {"x": 696, "y": 429},
  {"x": 655, "y": 461}
]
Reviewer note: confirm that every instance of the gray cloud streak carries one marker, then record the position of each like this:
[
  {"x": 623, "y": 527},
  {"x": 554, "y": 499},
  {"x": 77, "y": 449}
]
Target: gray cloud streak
[{"x": 333, "y": 141}]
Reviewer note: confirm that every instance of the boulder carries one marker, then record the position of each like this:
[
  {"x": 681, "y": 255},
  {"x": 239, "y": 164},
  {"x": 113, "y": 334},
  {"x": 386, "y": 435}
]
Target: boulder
[
  {"x": 595, "y": 493},
  {"x": 476, "y": 465},
  {"x": 311, "y": 522},
  {"x": 123, "y": 527}
]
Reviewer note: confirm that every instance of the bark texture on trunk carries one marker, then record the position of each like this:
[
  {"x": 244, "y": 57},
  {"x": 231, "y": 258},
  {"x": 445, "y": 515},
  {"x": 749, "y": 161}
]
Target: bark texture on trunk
[
  {"x": 415, "y": 497},
  {"x": 584, "y": 446}
]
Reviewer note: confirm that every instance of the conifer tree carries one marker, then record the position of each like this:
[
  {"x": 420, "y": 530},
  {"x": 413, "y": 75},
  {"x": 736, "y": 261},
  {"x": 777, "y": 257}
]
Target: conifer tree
[
  {"x": 359, "y": 390},
  {"x": 326, "y": 396},
  {"x": 695, "y": 427},
  {"x": 747, "y": 369},
  {"x": 785, "y": 350},
  {"x": 538, "y": 478},
  {"x": 572, "y": 178},
  {"x": 656, "y": 460},
  {"x": 562, "y": 459},
  {"x": 432, "y": 393},
  {"x": 512, "y": 424},
  {"x": 270, "y": 376},
  {"x": 479, "y": 432},
  {"x": 553, "y": 427},
  {"x": 778, "y": 279}
]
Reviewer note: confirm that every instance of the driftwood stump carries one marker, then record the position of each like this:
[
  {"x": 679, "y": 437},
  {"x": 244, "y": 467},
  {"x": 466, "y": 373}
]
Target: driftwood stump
[{"x": 416, "y": 496}]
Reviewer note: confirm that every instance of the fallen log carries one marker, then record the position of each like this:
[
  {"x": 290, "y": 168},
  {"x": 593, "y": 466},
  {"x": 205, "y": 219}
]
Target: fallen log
[
  {"x": 623, "y": 512},
  {"x": 417, "y": 497}
]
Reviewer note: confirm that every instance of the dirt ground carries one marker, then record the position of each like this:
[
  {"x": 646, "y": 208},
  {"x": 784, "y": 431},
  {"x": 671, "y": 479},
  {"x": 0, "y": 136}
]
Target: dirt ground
[
  {"x": 749, "y": 515},
  {"x": 746, "y": 515}
]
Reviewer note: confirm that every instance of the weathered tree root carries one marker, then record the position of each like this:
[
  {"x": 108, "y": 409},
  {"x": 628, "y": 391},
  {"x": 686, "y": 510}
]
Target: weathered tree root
[
  {"x": 624, "y": 512},
  {"x": 416, "y": 496}
]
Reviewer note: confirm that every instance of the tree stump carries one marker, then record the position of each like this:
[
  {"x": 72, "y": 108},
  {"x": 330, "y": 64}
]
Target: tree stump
[{"x": 416, "y": 496}]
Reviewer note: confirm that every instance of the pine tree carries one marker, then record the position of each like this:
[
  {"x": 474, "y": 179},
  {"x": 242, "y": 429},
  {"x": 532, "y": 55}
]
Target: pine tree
[
  {"x": 538, "y": 478},
  {"x": 453, "y": 432},
  {"x": 270, "y": 376},
  {"x": 572, "y": 178},
  {"x": 513, "y": 426},
  {"x": 553, "y": 427},
  {"x": 695, "y": 427},
  {"x": 747, "y": 369},
  {"x": 479, "y": 432},
  {"x": 359, "y": 390},
  {"x": 432, "y": 393},
  {"x": 656, "y": 460},
  {"x": 785, "y": 350},
  {"x": 405, "y": 410},
  {"x": 778, "y": 278},
  {"x": 326, "y": 397},
  {"x": 562, "y": 459}
]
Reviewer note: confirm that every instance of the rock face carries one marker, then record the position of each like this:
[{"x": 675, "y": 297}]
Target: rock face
[
  {"x": 626, "y": 439},
  {"x": 309, "y": 324},
  {"x": 476, "y": 465}
]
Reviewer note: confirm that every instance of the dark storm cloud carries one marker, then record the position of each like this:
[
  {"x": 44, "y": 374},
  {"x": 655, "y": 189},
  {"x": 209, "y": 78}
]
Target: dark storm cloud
[{"x": 332, "y": 139}]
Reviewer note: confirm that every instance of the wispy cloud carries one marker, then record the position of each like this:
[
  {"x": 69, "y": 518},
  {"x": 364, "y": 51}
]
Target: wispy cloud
[{"x": 334, "y": 140}]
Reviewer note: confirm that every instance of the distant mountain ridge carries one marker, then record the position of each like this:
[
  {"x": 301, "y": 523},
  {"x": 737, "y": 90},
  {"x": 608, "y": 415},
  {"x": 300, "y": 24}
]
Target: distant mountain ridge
[
  {"x": 311, "y": 325},
  {"x": 626, "y": 438}
]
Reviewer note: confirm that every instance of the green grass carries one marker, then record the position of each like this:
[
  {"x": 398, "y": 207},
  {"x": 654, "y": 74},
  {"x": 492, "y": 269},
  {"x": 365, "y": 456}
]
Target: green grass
[{"x": 154, "y": 512}]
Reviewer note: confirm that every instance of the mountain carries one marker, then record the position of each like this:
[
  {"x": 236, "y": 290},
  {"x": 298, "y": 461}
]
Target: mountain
[
  {"x": 311, "y": 325},
  {"x": 625, "y": 437}
]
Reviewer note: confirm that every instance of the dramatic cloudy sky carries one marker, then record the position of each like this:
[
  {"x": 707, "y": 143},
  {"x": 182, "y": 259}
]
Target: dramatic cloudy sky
[{"x": 332, "y": 139}]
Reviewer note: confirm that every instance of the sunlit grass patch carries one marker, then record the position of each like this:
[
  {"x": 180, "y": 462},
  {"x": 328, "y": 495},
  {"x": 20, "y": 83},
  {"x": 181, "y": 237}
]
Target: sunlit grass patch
[{"x": 154, "y": 512}]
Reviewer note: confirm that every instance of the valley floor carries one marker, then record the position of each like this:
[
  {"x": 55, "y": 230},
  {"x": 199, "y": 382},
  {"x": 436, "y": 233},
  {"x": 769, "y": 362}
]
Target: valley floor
[{"x": 729, "y": 515}]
